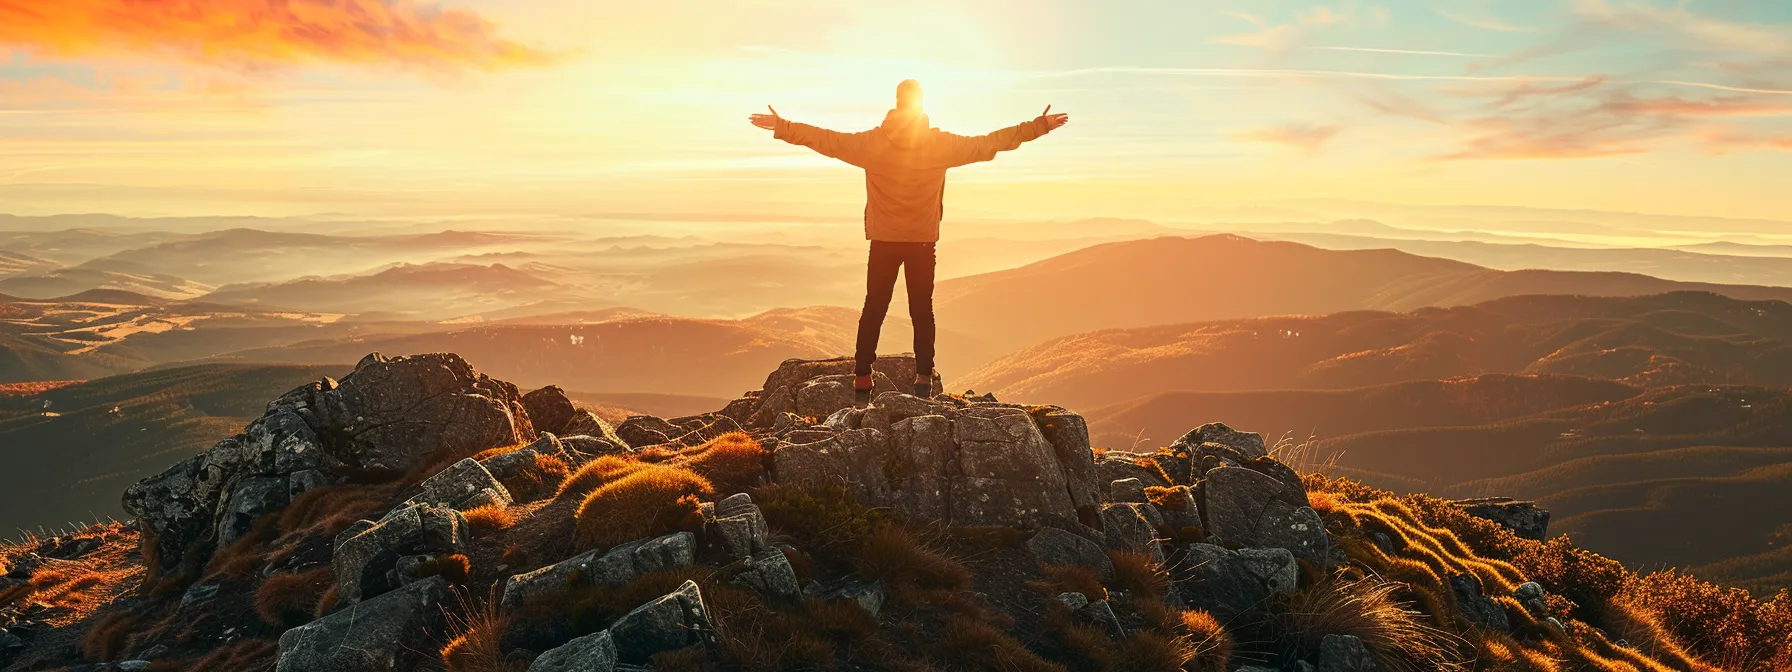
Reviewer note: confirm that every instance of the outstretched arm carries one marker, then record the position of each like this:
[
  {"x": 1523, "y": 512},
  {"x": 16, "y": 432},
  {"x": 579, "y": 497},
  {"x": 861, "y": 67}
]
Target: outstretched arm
[
  {"x": 985, "y": 147},
  {"x": 843, "y": 146}
]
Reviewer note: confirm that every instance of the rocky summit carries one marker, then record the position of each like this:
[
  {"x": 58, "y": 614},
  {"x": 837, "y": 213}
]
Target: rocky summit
[{"x": 419, "y": 515}]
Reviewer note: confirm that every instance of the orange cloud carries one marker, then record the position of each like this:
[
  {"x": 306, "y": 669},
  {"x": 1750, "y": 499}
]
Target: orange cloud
[
  {"x": 1302, "y": 136},
  {"x": 264, "y": 33}
]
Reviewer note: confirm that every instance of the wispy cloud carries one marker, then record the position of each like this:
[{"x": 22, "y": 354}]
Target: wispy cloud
[
  {"x": 1306, "y": 137},
  {"x": 265, "y": 33},
  {"x": 1306, "y": 24},
  {"x": 1406, "y": 52}
]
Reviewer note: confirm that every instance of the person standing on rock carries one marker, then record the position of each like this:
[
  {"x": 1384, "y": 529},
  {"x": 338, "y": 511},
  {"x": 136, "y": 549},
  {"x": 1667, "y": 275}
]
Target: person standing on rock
[{"x": 905, "y": 161}]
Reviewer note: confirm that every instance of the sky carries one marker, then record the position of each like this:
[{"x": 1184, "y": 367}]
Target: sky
[{"x": 414, "y": 108}]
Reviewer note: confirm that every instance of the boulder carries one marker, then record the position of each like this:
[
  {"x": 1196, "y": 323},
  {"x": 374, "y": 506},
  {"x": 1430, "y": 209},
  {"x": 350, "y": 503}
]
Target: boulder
[
  {"x": 1068, "y": 435},
  {"x": 853, "y": 458},
  {"x": 768, "y": 573},
  {"x": 869, "y": 595},
  {"x": 591, "y": 653},
  {"x": 1129, "y": 527},
  {"x": 176, "y": 511},
  {"x": 1532, "y": 597},
  {"x": 1475, "y": 606},
  {"x": 822, "y": 397},
  {"x": 1227, "y": 582},
  {"x": 734, "y": 528},
  {"x": 1344, "y": 653},
  {"x": 505, "y": 466},
  {"x": 1127, "y": 490},
  {"x": 587, "y": 424},
  {"x": 549, "y": 409},
  {"x": 1250, "y": 508},
  {"x": 461, "y": 482},
  {"x": 394, "y": 413},
  {"x": 673, "y": 622},
  {"x": 640, "y": 431},
  {"x": 252, "y": 498},
  {"x": 615, "y": 567},
  {"x": 1525, "y": 519},
  {"x": 1248, "y": 443},
  {"x": 761, "y": 409},
  {"x": 1052, "y": 546},
  {"x": 1102, "y": 615},
  {"x": 1117, "y": 465},
  {"x": 396, "y": 631},
  {"x": 1179, "y": 509},
  {"x": 366, "y": 554}
]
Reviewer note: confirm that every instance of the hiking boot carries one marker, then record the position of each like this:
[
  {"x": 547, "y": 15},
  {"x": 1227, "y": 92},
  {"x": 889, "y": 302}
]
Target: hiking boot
[
  {"x": 861, "y": 390},
  {"x": 924, "y": 387}
]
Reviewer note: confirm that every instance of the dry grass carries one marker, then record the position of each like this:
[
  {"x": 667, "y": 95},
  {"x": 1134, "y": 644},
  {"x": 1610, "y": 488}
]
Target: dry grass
[
  {"x": 326, "y": 603},
  {"x": 541, "y": 477},
  {"x": 596, "y": 473},
  {"x": 1212, "y": 644},
  {"x": 108, "y": 637},
  {"x": 290, "y": 600},
  {"x": 1434, "y": 540},
  {"x": 477, "y": 643},
  {"x": 969, "y": 644},
  {"x": 644, "y": 502},
  {"x": 249, "y": 655},
  {"x": 1072, "y": 579},
  {"x": 329, "y": 510},
  {"x": 900, "y": 559},
  {"x": 1366, "y": 608},
  {"x": 490, "y": 519},
  {"x": 1138, "y": 574},
  {"x": 1723, "y": 626},
  {"x": 734, "y": 461}
]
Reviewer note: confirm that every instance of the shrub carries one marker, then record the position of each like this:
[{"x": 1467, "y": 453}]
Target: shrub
[
  {"x": 1725, "y": 626},
  {"x": 642, "y": 503},
  {"x": 828, "y": 522},
  {"x": 734, "y": 460},
  {"x": 290, "y": 600},
  {"x": 544, "y": 475},
  {"x": 596, "y": 473},
  {"x": 490, "y": 518}
]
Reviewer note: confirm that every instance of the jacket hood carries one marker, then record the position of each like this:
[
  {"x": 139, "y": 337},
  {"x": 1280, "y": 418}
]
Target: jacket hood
[{"x": 904, "y": 129}]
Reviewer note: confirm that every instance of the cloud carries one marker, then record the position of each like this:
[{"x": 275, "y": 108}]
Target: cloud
[
  {"x": 1307, "y": 137},
  {"x": 1597, "y": 118},
  {"x": 255, "y": 34},
  {"x": 1307, "y": 23}
]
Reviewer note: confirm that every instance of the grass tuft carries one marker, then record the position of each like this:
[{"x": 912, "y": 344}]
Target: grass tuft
[
  {"x": 644, "y": 502},
  {"x": 290, "y": 600}
]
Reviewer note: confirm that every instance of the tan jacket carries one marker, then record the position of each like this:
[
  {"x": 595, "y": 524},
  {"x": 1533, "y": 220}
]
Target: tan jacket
[{"x": 905, "y": 162}]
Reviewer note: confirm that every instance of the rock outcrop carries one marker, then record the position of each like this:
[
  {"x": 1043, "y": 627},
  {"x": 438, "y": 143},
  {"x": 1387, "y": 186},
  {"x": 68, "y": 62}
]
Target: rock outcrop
[
  {"x": 389, "y": 414},
  {"x": 966, "y": 463},
  {"x": 397, "y": 631}
]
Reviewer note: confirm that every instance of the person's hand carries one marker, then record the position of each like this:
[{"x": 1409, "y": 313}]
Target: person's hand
[
  {"x": 1053, "y": 121},
  {"x": 768, "y": 121}
]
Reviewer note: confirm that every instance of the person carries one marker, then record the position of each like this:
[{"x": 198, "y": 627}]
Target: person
[{"x": 905, "y": 160}]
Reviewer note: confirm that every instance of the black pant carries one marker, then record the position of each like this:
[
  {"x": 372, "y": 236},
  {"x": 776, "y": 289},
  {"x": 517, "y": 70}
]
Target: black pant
[{"x": 880, "y": 284}]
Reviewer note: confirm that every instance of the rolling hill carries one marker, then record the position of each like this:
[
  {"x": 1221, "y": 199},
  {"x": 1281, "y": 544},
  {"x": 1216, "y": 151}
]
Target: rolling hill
[
  {"x": 69, "y": 463},
  {"x": 1685, "y": 337},
  {"x": 1172, "y": 280},
  {"x": 422, "y": 291}
]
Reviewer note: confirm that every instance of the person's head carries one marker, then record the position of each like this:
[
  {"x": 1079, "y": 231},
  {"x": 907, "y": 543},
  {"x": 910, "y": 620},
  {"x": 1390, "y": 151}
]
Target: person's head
[{"x": 908, "y": 95}]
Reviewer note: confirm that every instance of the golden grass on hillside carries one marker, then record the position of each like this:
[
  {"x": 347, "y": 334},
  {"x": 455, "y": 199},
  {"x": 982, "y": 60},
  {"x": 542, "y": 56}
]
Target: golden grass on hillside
[
  {"x": 109, "y": 635},
  {"x": 644, "y": 502},
  {"x": 1432, "y": 540},
  {"x": 1366, "y": 608}
]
